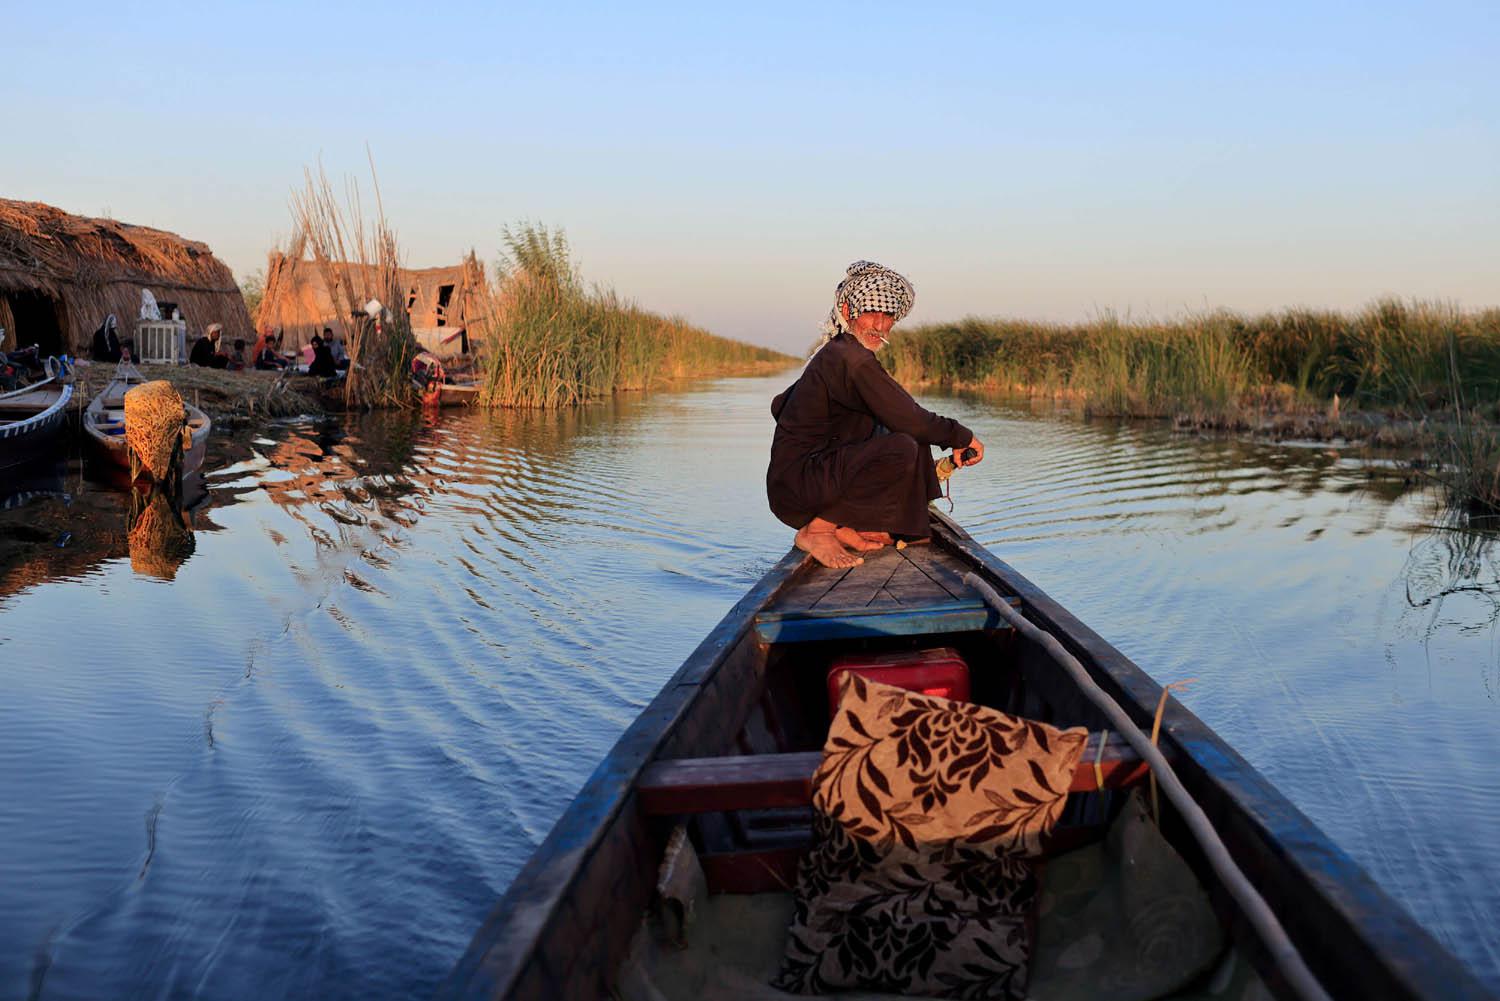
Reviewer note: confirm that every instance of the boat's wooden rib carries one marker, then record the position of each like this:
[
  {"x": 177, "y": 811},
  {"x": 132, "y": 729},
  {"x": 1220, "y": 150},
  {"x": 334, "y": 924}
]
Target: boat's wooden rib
[
  {"x": 567, "y": 919},
  {"x": 757, "y": 781}
]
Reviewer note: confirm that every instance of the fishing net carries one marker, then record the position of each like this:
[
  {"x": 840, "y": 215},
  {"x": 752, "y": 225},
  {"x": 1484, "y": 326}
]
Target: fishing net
[{"x": 155, "y": 423}]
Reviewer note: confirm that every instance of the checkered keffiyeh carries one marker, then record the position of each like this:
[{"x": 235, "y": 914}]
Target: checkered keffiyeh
[{"x": 869, "y": 288}]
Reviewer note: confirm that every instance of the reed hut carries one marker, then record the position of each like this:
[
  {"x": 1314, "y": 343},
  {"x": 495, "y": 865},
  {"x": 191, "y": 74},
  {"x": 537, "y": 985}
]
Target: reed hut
[
  {"x": 61, "y": 274},
  {"x": 439, "y": 301}
]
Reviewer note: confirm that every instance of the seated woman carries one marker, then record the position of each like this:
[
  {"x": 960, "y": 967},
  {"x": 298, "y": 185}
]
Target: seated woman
[
  {"x": 322, "y": 360},
  {"x": 206, "y": 351},
  {"x": 851, "y": 463},
  {"x": 106, "y": 346}
]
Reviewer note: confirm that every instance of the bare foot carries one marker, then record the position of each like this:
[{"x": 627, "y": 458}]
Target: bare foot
[
  {"x": 825, "y": 548},
  {"x": 884, "y": 538},
  {"x": 857, "y": 541}
]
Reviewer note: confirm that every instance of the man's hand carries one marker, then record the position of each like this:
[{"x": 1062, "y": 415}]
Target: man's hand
[{"x": 976, "y": 445}]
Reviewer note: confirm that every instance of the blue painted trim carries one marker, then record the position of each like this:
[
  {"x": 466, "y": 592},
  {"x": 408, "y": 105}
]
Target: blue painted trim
[{"x": 809, "y": 625}]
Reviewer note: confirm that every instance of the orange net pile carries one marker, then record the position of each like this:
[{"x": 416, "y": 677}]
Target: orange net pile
[{"x": 155, "y": 423}]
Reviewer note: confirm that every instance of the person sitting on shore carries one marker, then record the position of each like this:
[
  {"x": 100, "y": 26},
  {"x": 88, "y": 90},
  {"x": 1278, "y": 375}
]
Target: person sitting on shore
[
  {"x": 322, "y": 364},
  {"x": 851, "y": 464},
  {"x": 266, "y": 357},
  {"x": 336, "y": 348},
  {"x": 237, "y": 356},
  {"x": 206, "y": 351},
  {"x": 106, "y": 346}
]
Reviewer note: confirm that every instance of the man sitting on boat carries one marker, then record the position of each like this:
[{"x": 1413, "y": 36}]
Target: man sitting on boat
[{"x": 850, "y": 462}]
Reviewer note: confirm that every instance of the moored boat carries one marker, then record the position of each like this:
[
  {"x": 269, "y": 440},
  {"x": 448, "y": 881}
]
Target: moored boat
[
  {"x": 725, "y": 754},
  {"x": 458, "y": 394},
  {"x": 30, "y": 419},
  {"x": 438, "y": 387},
  {"x": 104, "y": 423}
]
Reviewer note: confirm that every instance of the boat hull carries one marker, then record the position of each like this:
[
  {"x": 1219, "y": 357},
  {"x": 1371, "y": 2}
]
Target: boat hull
[
  {"x": 31, "y": 422},
  {"x": 103, "y": 429},
  {"x": 566, "y": 921}
]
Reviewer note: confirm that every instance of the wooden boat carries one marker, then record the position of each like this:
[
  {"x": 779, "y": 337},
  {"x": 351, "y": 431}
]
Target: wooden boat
[
  {"x": 458, "y": 394},
  {"x": 436, "y": 386},
  {"x": 104, "y": 424},
  {"x": 30, "y": 419},
  {"x": 729, "y": 745}
]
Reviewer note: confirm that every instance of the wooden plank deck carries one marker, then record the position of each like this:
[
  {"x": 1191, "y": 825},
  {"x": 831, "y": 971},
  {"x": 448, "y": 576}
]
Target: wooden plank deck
[
  {"x": 895, "y": 592},
  {"x": 916, "y": 575}
]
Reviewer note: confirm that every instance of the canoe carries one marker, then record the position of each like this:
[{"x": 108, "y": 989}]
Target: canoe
[
  {"x": 104, "y": 424},
  {"x": 458, "y": 394},
  {"x": 728, "y": 747},
  {"x": 30, "y": 419},
  {"x": 436, "y": 387}
]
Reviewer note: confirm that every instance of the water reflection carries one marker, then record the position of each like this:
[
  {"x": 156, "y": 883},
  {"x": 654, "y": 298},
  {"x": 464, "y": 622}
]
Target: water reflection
[
  {"x": 157, "y": 533},
  {"x": 342, "y": 696},
  {"x": 1452, "y": 585}
]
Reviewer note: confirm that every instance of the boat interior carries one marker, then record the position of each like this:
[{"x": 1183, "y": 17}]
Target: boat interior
[
  {"x": 107, "y": 412},
  {"x": 16, "y": 405},
  {"x": 724, "y": 895}
]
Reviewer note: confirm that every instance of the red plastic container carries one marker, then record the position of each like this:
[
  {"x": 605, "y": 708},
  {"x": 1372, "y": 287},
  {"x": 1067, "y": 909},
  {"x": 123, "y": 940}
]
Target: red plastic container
[{"x": 941, "y": 672}]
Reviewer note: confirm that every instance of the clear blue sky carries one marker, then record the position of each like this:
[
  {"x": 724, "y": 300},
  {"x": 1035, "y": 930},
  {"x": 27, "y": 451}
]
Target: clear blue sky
[{"x": 726, "y": 164}]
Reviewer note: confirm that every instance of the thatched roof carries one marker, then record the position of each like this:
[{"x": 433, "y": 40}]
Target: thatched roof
[
  {"x": 92, "y": 267},
  {"x": 297, "y": 301}
]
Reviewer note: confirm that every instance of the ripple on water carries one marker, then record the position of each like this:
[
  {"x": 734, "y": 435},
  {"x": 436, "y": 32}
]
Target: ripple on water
[{"x": 399, "y": 646}]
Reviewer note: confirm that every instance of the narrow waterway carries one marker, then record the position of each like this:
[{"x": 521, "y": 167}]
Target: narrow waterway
[{"x": 301, "y": 752}]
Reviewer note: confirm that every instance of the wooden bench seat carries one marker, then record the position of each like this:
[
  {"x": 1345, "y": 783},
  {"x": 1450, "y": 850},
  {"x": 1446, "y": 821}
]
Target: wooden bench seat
[{"x": 759, "y": 781}]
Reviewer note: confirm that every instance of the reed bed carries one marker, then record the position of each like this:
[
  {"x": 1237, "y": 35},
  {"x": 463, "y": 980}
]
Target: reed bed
[
  {"x": 1465, "y": 448},
  {"x": 551, "y": 340},
  {"x": 1392, "y": 356}
]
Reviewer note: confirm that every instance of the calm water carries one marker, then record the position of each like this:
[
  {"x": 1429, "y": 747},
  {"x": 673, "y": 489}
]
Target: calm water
[{"x": 301, "y": 752}]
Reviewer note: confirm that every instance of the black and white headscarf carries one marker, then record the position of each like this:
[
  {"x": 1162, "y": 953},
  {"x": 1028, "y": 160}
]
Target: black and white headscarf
[{"x": 869, "y": 288}]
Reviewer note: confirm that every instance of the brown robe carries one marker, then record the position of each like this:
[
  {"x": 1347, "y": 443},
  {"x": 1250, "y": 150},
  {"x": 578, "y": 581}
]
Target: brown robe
[{"x": 853, "y": 447}]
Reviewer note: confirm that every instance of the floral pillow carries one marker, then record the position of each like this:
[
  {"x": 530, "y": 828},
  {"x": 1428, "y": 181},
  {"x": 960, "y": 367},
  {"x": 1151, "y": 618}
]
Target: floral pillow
[{"x": 925, "y": 812}]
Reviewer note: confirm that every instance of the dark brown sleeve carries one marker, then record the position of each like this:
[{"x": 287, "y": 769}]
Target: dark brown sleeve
[{"x": 893, "y": 406}]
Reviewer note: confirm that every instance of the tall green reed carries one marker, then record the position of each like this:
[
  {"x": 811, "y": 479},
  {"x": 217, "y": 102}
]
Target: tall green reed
[
  {"x": 550, "y": 340},
  {"x": 1392, "y": 355}
]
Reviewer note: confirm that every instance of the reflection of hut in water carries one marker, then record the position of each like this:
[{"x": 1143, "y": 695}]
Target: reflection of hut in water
[
  {"x": 160, "y": 540},
  {"x": 61, "y": 274},
  {"x": 440, "y": 301}
]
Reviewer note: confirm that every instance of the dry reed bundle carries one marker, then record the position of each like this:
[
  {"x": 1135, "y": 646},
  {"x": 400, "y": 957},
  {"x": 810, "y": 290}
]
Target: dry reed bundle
[
  {"x": 156, "y": 429},
  {"x": 359, "y": 261}
]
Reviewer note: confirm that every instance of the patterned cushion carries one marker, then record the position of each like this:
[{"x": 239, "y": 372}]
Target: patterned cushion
[{"x": 925, "y": 812}]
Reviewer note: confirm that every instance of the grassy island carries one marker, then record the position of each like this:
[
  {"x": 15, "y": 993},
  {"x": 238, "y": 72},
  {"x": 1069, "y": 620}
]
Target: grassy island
[{"x": 1416, "y": 372}]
